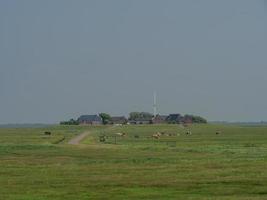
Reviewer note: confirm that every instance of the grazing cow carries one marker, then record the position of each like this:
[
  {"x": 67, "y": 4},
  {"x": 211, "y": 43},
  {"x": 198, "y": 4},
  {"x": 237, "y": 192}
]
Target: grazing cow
[
  {"x": 102, "y": 138},
  {"x": 218, "y": 132},
  {"x": 162, "y": 133},
  {"x": 47, "y": 133},
  {"x": 121, "y": 134},
  {"x": 159, "y": 133},
  {"x": 188, "y": 133},
  {"x": 156, "y": 135}
]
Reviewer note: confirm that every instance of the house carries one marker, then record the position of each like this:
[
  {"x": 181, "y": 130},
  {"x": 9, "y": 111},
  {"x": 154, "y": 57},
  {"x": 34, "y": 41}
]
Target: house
[
  {"x": 159, "y": 119},
  {"x": 187, "y": 119},
  {"x": 174, "y": 118},
  {"x": 118, "y": 120},
  {"x": 89, "y": 120}
]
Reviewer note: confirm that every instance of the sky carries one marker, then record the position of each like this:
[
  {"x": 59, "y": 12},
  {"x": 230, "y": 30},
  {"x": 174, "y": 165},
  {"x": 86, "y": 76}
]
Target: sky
[{"x": 63, "y": 58}]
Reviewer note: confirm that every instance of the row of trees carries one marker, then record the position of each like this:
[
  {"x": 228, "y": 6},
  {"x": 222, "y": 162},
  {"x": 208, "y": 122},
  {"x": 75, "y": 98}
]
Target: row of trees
[
  {"x": 70, "y": 122},
  {"x": 149, "y": 116},
  {"x": 140, "y": 116},
  {"x": 196, "y": 119}
]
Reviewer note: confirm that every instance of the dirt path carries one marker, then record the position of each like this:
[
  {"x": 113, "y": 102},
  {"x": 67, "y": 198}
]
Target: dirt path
[{"x": 76, "y": 140}]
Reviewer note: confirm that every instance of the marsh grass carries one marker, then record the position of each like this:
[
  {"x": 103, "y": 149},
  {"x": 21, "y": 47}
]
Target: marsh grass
[{"x": 204, "y": 165}]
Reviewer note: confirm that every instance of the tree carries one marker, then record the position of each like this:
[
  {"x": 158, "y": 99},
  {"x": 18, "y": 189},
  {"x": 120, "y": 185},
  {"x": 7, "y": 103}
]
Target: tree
[
  {"x": 70, "y": 122},
  {"x": 133, "y": 115},
  {"x": 105, "y": 118},
  {"x": 196, "y": 119},
  {"x": 140, "y": 115}
]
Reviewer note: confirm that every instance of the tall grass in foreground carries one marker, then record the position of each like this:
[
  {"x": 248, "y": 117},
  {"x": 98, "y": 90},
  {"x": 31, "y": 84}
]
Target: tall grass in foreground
[{"x": 231, "y": 165}]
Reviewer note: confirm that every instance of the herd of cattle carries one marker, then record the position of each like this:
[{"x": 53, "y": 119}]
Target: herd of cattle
[
  {"x": 154, "y": 136},
  {"x": 158, "y": 135}
]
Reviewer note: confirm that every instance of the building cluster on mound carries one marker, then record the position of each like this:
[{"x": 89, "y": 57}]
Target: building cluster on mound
[{"x": 135, "y": 118}]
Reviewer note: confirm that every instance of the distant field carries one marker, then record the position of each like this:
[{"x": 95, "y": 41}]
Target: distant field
[{"x": 231, "y": 165}]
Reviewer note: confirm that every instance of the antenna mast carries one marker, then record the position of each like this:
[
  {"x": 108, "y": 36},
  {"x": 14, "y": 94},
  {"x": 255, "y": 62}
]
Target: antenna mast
[{"x": 155, "y": 104}]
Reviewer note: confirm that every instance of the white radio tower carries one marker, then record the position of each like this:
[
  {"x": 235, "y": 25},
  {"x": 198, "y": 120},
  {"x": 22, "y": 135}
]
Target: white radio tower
[{"x": 155, "y": 104}]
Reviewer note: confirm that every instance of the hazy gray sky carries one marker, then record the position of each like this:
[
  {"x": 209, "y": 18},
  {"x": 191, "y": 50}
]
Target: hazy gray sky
[{"x": 63, "y": 58}]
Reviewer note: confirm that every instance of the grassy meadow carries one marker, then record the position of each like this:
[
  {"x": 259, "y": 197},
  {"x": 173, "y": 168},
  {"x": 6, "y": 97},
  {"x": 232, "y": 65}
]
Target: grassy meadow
[{"x": 230, "y": 165}]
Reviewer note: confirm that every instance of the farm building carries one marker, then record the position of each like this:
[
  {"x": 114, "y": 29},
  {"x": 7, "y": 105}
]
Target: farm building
[
  {"x": 118, "y": 120},
  {"x": 159, "y": 119},
  {"x": 187, "y": 119},
  {"x": 174, "y": 118},
  {"x": 90, "y": 120}
]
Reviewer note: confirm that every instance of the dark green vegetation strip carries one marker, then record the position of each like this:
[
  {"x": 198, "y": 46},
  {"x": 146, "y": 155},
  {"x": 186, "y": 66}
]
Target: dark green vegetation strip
[{"x": 231, "y": 165}]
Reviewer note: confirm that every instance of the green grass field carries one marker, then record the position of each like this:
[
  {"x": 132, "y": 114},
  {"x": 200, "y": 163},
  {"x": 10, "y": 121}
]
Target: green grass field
[{"x": 231, "y": 165}]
